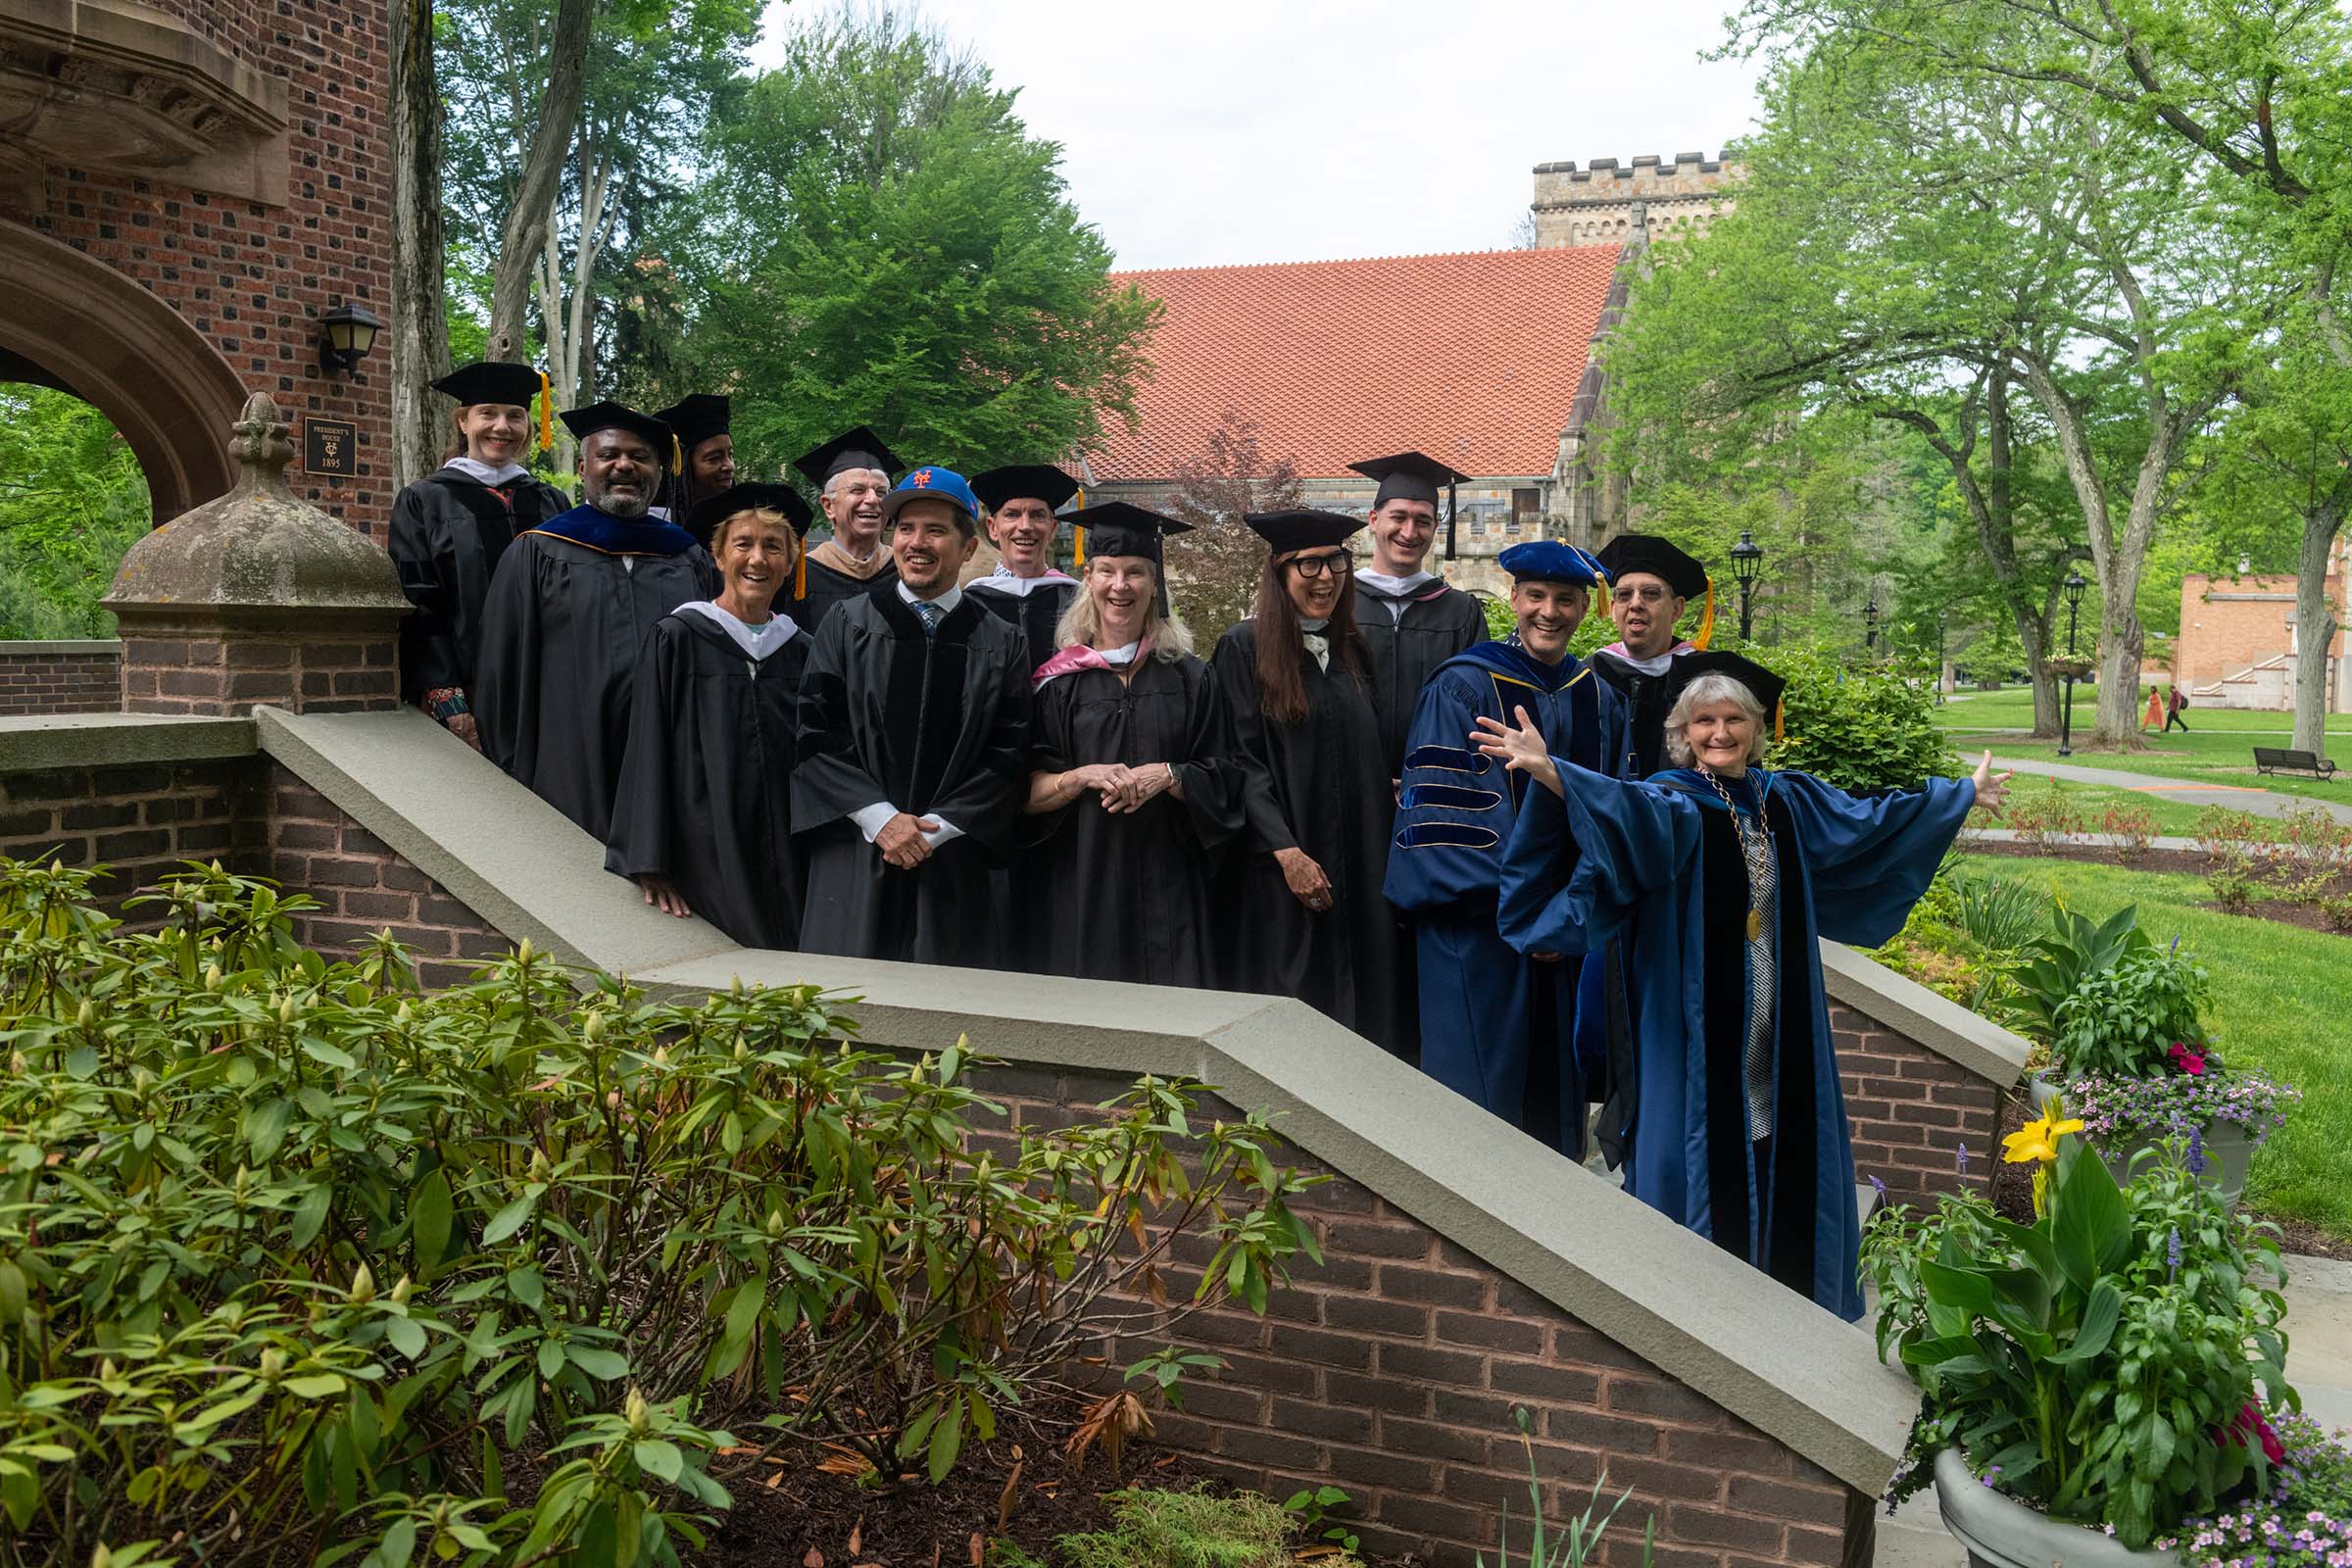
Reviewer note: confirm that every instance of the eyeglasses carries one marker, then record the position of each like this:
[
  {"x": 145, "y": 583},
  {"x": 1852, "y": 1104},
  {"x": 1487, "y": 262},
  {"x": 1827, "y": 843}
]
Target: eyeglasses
[
  {"x": 1646, "y": 593},
  {"x": 1317, "y": 566}
]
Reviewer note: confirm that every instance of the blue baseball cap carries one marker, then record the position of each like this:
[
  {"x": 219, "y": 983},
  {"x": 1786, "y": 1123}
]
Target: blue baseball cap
[
  {"x": 933, "y": 483},
  {"x": 1550, "y": 561}
]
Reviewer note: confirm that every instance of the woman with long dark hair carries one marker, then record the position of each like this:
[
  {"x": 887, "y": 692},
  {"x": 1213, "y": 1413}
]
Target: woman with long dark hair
[{"x": 1307, "y": 915}]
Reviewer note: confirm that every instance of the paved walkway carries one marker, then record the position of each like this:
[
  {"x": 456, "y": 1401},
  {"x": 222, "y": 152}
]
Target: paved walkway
[
  {"x": 2237, "y": 796},
  {"x": 2318, "y": 1361}
]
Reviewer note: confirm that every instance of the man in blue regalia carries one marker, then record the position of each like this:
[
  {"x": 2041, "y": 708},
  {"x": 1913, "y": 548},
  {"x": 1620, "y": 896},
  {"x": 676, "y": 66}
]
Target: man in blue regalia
[
  {"x": 1496, "y": 1025},
  {"x": 1720, "y": 876},
  {"x": 569, "y": 609}
]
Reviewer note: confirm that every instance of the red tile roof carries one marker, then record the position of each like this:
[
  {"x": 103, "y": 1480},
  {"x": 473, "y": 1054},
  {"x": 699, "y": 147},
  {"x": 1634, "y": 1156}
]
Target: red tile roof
[{"x": 1472, "y": 358}]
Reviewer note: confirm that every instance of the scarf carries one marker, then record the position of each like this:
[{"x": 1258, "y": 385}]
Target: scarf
[{"x": 1080, "y": 657}]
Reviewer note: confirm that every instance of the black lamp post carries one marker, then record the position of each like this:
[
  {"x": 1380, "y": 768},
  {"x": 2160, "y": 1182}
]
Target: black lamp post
[
  {"x": 1748, "y": 565},
  {"x": 2074, "y": 586},
  {"x": 1869, "y": 622}
]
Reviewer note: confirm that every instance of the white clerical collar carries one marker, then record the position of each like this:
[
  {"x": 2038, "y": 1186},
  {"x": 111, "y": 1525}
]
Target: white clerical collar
[
  {"x": 946, "y": 602},
  {"x": 482, "y": 473},
  {"x": 756, "y": 641},
  {"x": 1004, "y": 580},
  {"x": 1400, "y": 586}
]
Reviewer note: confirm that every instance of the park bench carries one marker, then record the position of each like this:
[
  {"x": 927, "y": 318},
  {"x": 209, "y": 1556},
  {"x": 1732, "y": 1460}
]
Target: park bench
[{"x": 2274, "y": 760}]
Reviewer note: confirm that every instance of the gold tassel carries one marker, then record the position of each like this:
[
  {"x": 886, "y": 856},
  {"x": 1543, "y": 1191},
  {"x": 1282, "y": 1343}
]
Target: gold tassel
[
  {"x": 677, "y": 455},
  {"x": 1780, "y": 711},
  {"x": 1078, "y": 546},
  {"x": 546, "y": 415},
  {"x": 1706, "y": 619},
  {"x": 799, "y": 573}
]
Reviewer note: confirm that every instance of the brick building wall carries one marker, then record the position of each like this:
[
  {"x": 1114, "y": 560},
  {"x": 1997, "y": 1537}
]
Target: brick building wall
[
  {"x": 1393, "y": 1371},
  {"x": 1912, "y": 1113},
  {"x": 60, "y": 677},
  {"x": 141, "y": 820},
  {"x": 254, "y": 278},
  {"x": 2230, "y": 624}
]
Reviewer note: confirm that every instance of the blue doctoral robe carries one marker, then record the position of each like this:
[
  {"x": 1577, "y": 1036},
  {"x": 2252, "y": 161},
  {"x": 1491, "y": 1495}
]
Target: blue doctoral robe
[
  {"x": 1658, "y": 863},
  {"x": 1496, "y": 1026}
]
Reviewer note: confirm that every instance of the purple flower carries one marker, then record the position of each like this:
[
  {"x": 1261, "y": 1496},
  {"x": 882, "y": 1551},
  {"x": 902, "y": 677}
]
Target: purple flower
[
  {"x": 2172, "y": 1251},
  {"x": 2196, "y": 1150},
  {"x": 1881, "y": 1187},
  {"x": 1962, "y": 1159}
]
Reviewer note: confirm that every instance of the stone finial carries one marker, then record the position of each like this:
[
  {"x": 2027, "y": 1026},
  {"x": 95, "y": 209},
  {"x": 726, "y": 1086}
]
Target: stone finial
[
  {"x": 257, "y": 596},
  {"x": 260, "y": 548}
]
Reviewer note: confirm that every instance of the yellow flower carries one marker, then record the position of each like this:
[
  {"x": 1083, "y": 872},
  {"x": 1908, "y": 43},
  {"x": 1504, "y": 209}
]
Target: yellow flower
[{"x": 2037, "y": 1141}]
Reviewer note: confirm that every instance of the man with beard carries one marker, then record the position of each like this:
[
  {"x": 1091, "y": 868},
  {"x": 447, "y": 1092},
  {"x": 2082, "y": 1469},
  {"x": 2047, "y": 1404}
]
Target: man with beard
[
  {"x": 1650, "y": 584},
  {"x": 851, "y": 473},
  {"x": 1025, "y": 588},
  {"x": 569, "y": 609},
  {"x": 1412, "y": 620},
  {"x": 1498, "y": 1026},
  {"x": 913, "y": 711}
]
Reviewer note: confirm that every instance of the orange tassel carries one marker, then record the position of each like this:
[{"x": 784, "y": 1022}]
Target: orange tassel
[
  {"x": 1078, "y": 546},
  {"x": 677, "y": 456},
  {"x": 1706, "y": 619},
  {"x": 799, "y": 574},
  {"x": 1778, "y": 711},
  {"x": 546, "y": 415}
]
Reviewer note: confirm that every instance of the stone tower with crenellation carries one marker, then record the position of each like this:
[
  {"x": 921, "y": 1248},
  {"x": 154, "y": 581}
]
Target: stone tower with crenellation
[{"x": 1594, "y": 205}]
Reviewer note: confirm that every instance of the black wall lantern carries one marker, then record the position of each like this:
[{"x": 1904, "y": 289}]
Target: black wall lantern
[
  {"x": 346, "y": 333},
  {"x": 1748, "y": 565}
]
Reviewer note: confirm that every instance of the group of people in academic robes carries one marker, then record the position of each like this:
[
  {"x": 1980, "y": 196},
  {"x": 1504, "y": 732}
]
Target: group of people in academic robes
[{"x": 1556, "y": 884}]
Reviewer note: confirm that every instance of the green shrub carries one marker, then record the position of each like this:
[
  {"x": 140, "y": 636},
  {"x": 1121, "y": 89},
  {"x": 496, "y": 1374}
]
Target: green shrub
[
  {"x": 296, "y": 1261},
  {"x": 2119, "y": 1021},
  {"x": 1868, "y": 727}
]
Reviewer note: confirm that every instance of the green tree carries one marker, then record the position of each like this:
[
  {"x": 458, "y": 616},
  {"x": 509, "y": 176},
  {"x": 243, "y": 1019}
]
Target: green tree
[
  {"x": 72, "y": 502},
  {"x": 887, "y": 243}
]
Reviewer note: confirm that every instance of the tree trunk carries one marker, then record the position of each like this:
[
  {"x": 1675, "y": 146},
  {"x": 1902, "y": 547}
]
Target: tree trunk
[
  {"x": 526, "y": 226},
  {"x": 2315, "y": 625},
  {"x": 419, "y": 317}
]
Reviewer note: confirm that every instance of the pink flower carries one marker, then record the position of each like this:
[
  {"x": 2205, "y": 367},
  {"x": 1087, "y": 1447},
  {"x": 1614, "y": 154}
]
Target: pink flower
[
  {"x": 2249, "y": 1425},
  {"x": 2191, "y": 1062}
]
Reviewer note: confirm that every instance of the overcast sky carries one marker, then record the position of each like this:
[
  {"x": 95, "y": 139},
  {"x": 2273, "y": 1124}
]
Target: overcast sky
[{"x": 1199, "y": 133}]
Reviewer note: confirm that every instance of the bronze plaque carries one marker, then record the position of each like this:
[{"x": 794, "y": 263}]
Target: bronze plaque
[{"x": 330, "y": 446}]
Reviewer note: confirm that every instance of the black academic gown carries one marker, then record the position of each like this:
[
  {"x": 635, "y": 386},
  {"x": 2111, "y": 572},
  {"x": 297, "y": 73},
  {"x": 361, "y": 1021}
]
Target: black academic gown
[
  {"x": 1127, "y": 895},
  {"x": 448, "y": 533},
  {"x": 706, "y": 794},
  {"x": 1323, "y": 787},
  {"x": 934, "y": 727},
  {"x": 1410, "y": 636},
  {"x": 1645, "y": 708},
  {"x": 828, "y": 589},
  {"x": 567, "y": 615},
  {"x": 1037, "y": 613}
]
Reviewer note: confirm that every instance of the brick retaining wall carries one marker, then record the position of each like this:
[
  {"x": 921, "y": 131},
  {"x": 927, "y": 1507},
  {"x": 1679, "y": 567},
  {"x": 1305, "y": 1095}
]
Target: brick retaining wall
[
  {"x": 38, "y": 678},
  {"x": 1912, "y": 1113},
  {"x": 1393, "y": 1369},
  {"x": 141, "y": 819}
]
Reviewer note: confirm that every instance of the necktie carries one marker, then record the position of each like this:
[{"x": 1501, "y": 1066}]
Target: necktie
[
  {"x": 1320, "y": 646},
  {"x": 929, "y": 614}
]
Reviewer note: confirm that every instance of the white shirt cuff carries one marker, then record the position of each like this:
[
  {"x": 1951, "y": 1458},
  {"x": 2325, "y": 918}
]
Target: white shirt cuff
[
  {"x": 872, "y": 819},
  {"x": 944, "y": 831}
]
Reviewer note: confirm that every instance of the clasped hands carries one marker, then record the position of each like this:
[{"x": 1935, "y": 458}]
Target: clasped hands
[{"x": 1120, "y": 788}]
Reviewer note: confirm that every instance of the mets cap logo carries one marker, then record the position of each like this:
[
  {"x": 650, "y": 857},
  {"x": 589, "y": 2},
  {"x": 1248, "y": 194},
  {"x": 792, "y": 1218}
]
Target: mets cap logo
[{"x": 921, "y": 479}]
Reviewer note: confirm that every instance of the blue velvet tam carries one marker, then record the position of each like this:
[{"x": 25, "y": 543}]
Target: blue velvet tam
[{"x": 1550, "y": 561}]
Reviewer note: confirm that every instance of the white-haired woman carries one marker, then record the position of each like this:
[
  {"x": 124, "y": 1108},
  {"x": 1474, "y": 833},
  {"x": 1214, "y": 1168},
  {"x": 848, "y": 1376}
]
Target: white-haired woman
[
  {"x": 1132, "y": 780},
  {"x": 1720, "y": 874}
]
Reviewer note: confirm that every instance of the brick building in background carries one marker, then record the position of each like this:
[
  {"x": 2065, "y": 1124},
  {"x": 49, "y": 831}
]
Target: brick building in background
[
  {"x": 187, "y": 187},
  {"x": 2239, "y": 638}
]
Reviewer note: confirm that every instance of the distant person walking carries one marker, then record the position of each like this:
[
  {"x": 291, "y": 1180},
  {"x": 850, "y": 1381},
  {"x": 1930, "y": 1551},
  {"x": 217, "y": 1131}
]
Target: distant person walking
[
  {"x": 2173, "y": 702},
  {"x": 2154, "y": 717}
]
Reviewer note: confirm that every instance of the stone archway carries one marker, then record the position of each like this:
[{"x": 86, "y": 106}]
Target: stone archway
[{"x": 108, "y": 341}]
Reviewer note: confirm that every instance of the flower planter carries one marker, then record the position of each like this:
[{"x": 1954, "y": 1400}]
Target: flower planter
[
  {"x": 2228, "y": 1146},
  {"x": 2000, "y": 1532}
]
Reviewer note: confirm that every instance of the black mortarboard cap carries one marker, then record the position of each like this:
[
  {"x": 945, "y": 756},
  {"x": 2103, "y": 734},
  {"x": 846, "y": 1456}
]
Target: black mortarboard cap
[
  {"x": 1762, "y": 683},
  {"x": 1117, "y": 528},
  {"x": 1302, "y": 528},
  {"x": 586, "y": 422},
  {"x": 852, "y": 449},
  {"x": 1038, "y": 481},
  {"x": 492, "y": 382},
  {"x": 1410, "y": 474},
  {"x": 709, "y": 515},
  {"x": 1646, "y": 552},
  {"x": 695, "y": 419}
]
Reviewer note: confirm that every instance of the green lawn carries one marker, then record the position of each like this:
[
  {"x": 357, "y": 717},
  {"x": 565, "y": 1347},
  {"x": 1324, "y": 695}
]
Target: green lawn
[
  {"x": 2279, "y": 1002},
  {"x": 2218, "y": 747}
]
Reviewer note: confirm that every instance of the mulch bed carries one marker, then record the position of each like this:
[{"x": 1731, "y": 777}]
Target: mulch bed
[
  {"x": 2187, "y": 861},
  {"x": 807, "y": 1517}
]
